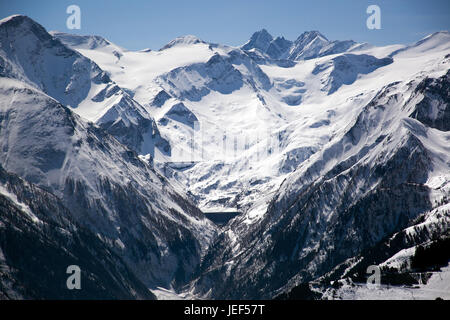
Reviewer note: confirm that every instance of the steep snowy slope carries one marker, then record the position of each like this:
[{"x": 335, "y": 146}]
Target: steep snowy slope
[
  {"x": 365, "y": 185},
  {"x": 29, "y": 54},
  {"x": 106, "y": 186},
  {"x": 413, "y": 263},
  {"x": 39, "y": 240}
]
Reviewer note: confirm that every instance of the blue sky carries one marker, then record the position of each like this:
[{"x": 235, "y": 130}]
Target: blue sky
[{"x": 138, "y": 24}]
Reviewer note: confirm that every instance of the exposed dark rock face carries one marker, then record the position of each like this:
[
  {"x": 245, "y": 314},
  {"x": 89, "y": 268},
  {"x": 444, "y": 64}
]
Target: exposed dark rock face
[
  {"x": 434, "y": 109},
  {"x": 36, "y": 250}
]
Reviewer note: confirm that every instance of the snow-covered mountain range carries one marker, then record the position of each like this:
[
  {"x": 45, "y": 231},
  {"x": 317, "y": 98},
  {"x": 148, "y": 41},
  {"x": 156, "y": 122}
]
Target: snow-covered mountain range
[
  {"x": 104, "y": 185},
  {"x": 327, "y": 149}
]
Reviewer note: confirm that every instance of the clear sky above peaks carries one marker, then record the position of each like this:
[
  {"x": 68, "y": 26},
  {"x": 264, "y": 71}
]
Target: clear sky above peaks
[{"x": 139, "y": 24}]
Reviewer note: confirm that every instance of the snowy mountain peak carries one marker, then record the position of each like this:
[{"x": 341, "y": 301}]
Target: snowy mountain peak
[
  {"x": 45, "y": 62},
  {"x": 259, "y": 40},
  {"x": 183, "y": 41},
  {"x": 310, "y": 44},
  {"x": 443, "y": 33},
  {"x": 308, "y": 36},
  {"x": 438, "y": 41}
]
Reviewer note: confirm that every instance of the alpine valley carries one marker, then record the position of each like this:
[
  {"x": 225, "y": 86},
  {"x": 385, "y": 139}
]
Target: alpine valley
[{"x": 325, "y": 157}]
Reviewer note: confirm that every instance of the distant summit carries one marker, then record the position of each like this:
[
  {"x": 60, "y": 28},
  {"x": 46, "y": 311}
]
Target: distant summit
[{"x": 310, "y": 44}]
